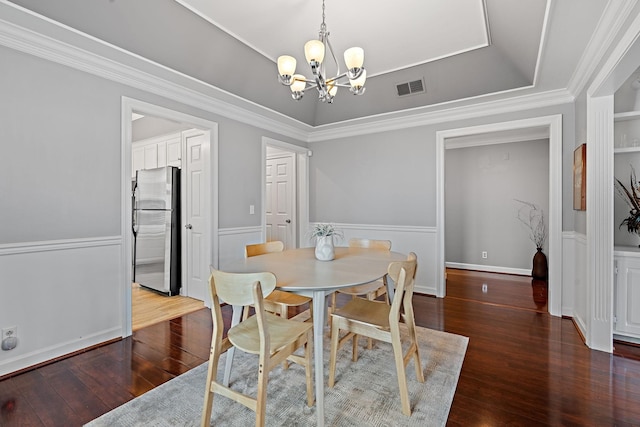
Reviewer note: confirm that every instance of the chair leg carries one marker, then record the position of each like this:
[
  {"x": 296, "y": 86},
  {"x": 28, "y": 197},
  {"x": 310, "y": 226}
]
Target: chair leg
[
  {"x": 261, "y": 396},
  {"x": 331, "y": 308},
  {"x": 212, "y": 372},
  {"x": 370, "y": 296},
  {"x": 354, "y": 351},
  {"x": 307, "y": 368},
  {"x": 335, "y": 332},
  {"x": 245, "y": 312},
  {"x": 402, "y": 377},
  {"x": 414, "y": 346},
  {"x": 284, "y": 313}
]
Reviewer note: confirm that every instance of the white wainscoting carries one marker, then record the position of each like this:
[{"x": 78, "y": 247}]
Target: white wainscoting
[
  {"x": 63, "y": 296},
  {"x": 404, "y": 239},
  {"x": 575, "y": 282},
  {"x": 233, "y": 240}
]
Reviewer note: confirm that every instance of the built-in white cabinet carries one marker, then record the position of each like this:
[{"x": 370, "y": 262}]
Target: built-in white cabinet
[
  {"x": 626, "y": 137},
  {"x": 627, "y": 294},
  {"x": 156, "y": 153},
  {"x": 626, "y": 305}
]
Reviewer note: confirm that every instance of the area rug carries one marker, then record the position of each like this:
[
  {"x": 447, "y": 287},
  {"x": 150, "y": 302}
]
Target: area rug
[{"x": 365, "y": 393}]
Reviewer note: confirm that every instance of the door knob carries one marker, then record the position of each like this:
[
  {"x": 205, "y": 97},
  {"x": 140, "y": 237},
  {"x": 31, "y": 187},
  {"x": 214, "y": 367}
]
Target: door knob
[
  {"x": 188, "y": 226},
  {"x": 288, "y": 221}
]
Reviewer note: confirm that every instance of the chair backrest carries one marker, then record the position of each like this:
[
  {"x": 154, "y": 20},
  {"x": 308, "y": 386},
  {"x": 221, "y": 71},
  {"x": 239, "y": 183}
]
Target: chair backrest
[
  {"x": 370, "y": 243},
  {"x": 237, "y": 288},
  {"x": 403, "y": 274},
  {"x": 263, "y": 248}
]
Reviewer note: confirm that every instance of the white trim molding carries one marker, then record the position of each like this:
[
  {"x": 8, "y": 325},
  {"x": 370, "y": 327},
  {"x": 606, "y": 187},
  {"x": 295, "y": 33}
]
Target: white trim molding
[
  {"x": 599, "y": 326},
  {"x": 404, "y": 239},
  {"x": 116, "y": 64},
  {"x": 488, "y": 268},
  {"x": 554, "y": 126},
  {"x": 58, "y": 245},
  {"x": 622, "y": 62}
]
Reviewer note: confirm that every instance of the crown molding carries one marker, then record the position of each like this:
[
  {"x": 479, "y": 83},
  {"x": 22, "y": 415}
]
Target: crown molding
[
  {"x": 611, "y": 22},
  {"x": 500, "y": 106},
  {"x": 180, "y": 88},
  {"x": 159, "y": 80}
]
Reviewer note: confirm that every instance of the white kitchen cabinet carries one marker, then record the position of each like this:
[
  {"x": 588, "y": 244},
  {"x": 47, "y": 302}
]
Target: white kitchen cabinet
[
  {"x": 174, "y": 152},
  {"x": 627, "y": 294},
  {"x": 137, "y": 159},
  {"x": 156, "y": 152},
  {"x": 151, "y": 156}
]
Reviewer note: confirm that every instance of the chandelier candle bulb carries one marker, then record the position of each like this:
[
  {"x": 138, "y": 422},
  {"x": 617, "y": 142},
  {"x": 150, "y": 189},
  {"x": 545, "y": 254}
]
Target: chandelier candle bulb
[
  {"x": 286, "y": 66},
  {"x": 354, "y": 58},
  {"x": 314, "y": 51}
]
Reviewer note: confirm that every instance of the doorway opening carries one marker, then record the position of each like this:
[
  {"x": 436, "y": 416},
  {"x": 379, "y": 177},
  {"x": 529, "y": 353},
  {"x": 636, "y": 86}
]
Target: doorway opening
[
  {"x": 189, "y": 143},
  {"x": 552, "y": 126}
]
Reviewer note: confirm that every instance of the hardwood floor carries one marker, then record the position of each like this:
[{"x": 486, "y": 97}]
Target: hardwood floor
[
  {"x": 522, "y": 367},
  {"x": 149, "y": 307}
]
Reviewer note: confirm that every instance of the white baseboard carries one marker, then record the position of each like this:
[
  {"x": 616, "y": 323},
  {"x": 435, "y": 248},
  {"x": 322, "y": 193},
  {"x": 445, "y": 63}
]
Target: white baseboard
[
  {"x": 52, "y": 352},
  {"x": 626, "y": 338},
  {"x": 488, "y": 268}
]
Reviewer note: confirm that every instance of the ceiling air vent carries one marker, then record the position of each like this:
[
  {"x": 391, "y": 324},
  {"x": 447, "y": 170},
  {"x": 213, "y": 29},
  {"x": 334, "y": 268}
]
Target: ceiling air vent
[{"x": 410, "y": 88}]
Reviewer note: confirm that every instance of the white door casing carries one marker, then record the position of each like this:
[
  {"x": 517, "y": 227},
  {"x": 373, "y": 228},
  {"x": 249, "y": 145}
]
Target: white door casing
[
  {"x": 210, "y": 173},
  {"x": 280, "y": 199},
  {"x": 554, "y": 126},
  {"x": 195, "y": 262}
]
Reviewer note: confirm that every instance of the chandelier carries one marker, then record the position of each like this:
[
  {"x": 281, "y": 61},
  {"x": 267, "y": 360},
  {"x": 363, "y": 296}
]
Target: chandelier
[{"x": 314, "y": 52}]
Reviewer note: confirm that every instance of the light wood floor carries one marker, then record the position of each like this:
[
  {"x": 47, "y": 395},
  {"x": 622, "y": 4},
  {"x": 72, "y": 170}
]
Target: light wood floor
[{"x": 149, "y": 308}]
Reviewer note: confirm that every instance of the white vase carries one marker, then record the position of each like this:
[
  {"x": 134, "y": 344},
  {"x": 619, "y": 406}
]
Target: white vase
[{"x": 324, "y": 248}]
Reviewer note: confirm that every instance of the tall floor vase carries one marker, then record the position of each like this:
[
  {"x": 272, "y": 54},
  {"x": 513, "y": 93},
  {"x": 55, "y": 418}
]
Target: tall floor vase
[{"x": 540, "y": 268}]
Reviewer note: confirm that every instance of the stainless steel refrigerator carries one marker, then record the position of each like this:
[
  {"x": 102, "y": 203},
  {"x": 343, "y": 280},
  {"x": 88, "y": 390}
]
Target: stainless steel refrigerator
[{"x": 156, "y": 230}]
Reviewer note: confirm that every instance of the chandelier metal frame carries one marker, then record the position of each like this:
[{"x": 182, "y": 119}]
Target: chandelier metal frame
[{"x": 327, "y": 87}]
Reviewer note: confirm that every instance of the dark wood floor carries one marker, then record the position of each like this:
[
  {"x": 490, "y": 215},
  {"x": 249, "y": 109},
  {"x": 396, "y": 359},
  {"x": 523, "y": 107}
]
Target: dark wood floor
[{"x": 522, "y": 367}]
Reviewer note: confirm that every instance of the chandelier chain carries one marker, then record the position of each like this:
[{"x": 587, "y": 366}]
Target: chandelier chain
[{"x": 323, "y": 26}]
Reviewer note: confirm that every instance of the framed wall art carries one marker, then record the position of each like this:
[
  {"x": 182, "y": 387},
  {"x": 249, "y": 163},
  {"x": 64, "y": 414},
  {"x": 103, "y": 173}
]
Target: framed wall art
[{"x": 580, "y": 178}]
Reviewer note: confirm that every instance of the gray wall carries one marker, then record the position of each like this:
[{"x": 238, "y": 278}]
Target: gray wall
[
  {"x": 60, "y": 152},
  {"x": 384, "y": 178},
  {"x": 389, "y": 178},
  {"x": 61, "y": 178},
  {"x": 481, "y": 184}
]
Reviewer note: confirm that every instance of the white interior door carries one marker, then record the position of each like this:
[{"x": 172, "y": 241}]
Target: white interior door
[
  {"x": 194, "y": 254},
  {"x": 280, "y": 199}
]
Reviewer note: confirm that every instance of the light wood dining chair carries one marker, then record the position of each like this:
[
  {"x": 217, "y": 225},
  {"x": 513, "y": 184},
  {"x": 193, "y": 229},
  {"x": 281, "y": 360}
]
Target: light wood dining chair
[
  {"x": 371, "y": 290},
  {"x": 277, "y": 301},
  {"x": 381, "y": 321},
  {"x": 271, "y": 337}
]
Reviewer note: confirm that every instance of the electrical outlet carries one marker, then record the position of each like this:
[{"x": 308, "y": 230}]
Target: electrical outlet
[
  {"x": 484, "y": 254},
  {"x": 9, "y": 338},
  {"x": 11, "y": 331}
]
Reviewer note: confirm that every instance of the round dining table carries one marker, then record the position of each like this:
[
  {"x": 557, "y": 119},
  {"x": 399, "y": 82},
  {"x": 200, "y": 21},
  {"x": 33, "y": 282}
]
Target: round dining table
[{"x": 299, "y": 271}]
